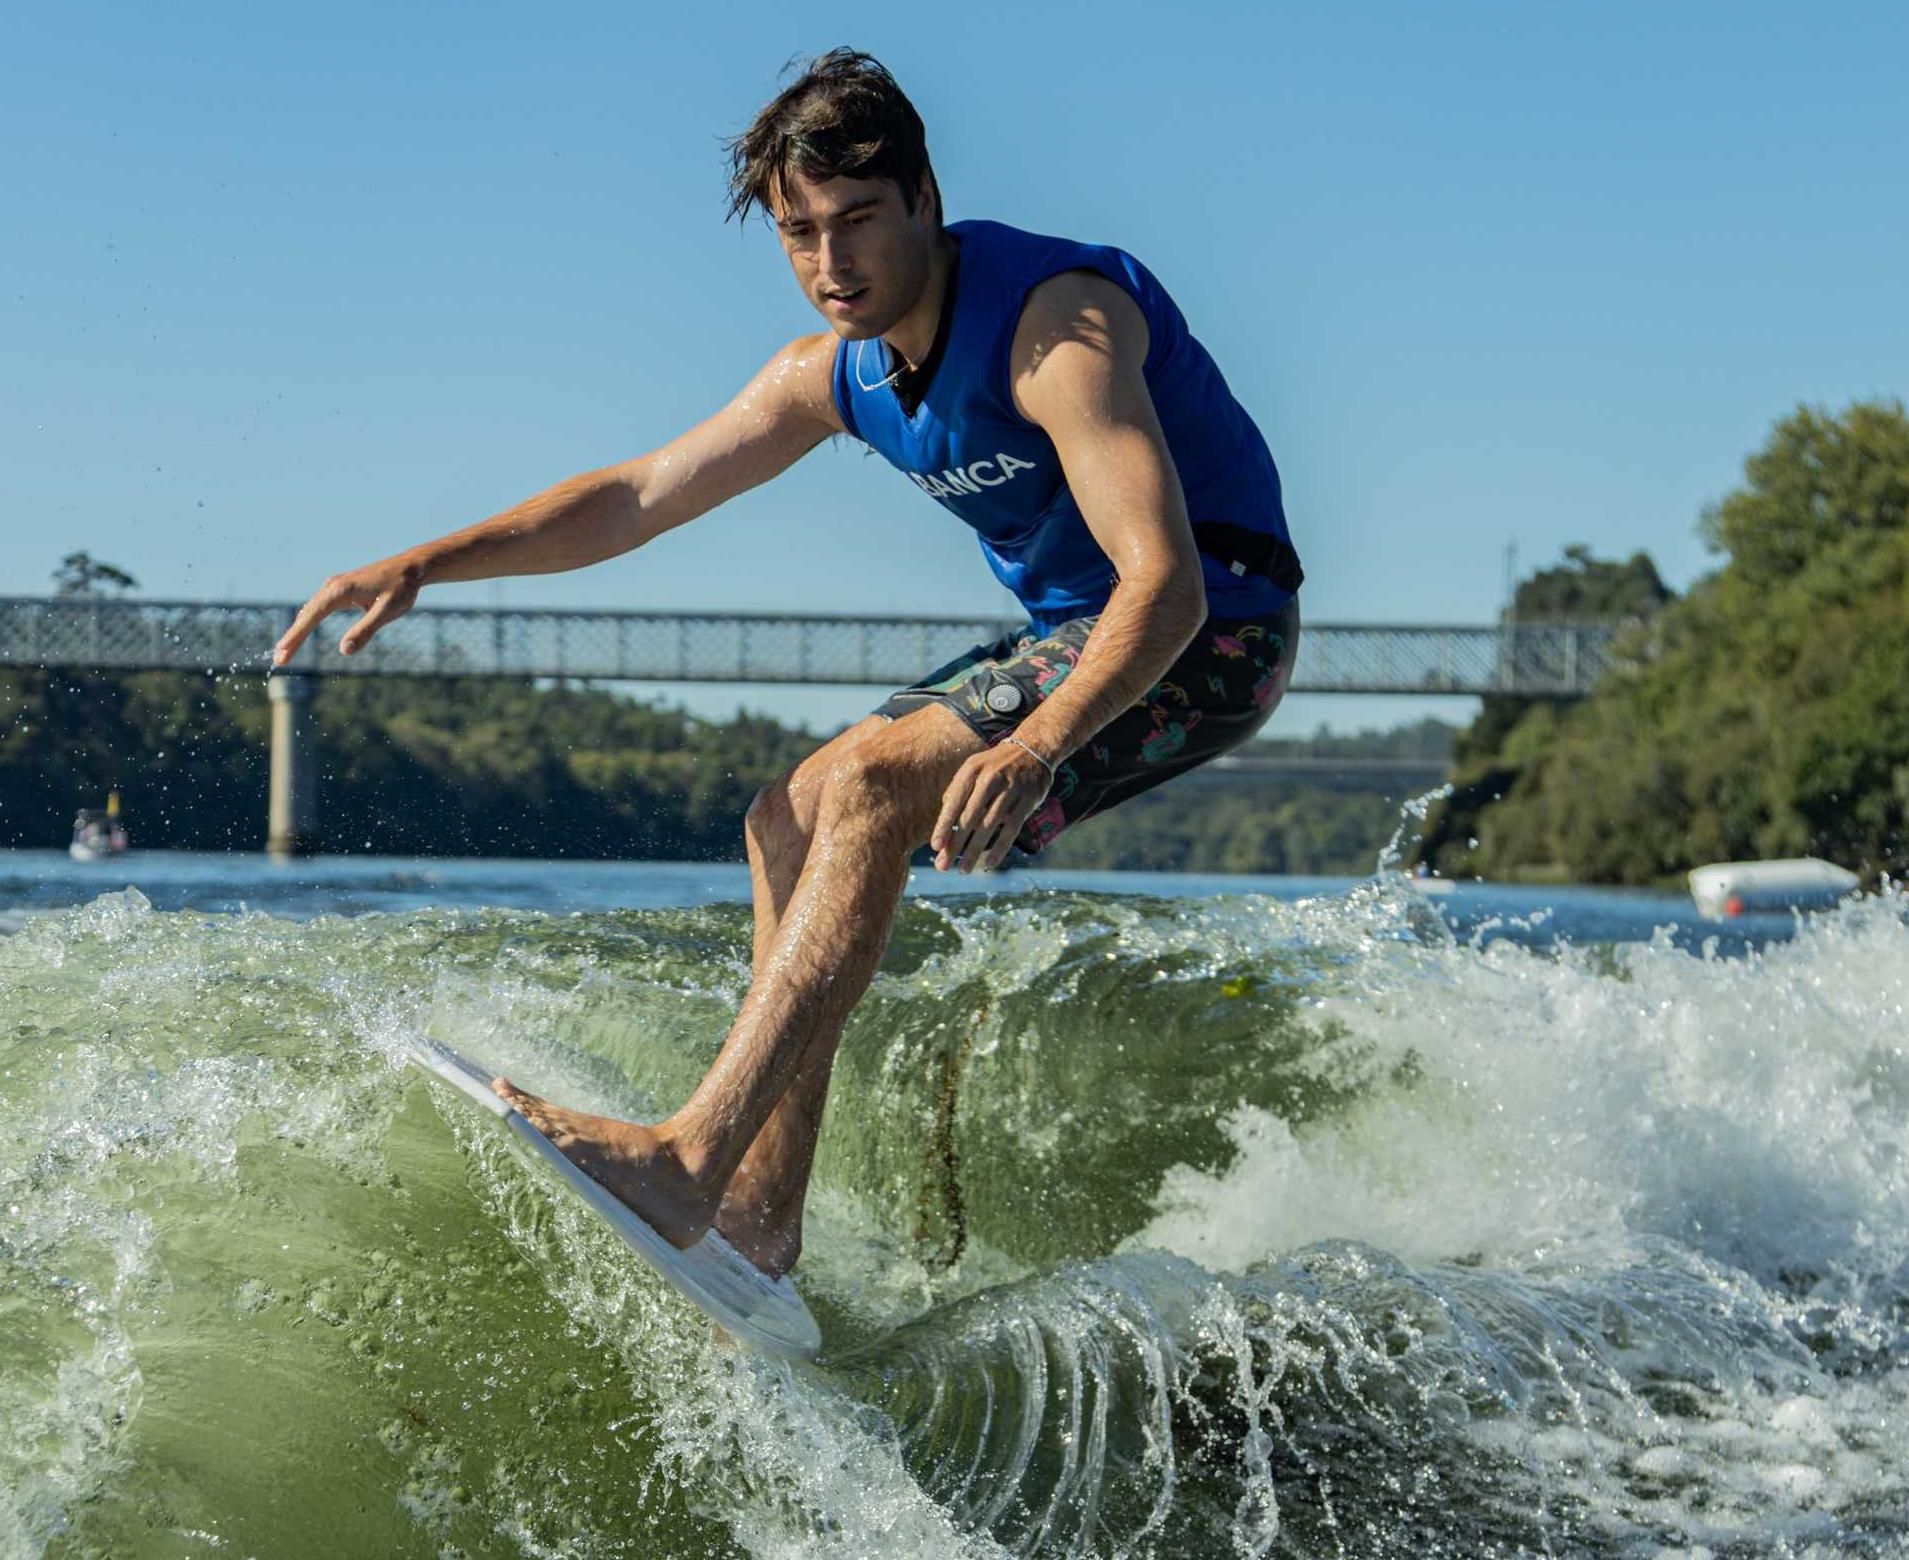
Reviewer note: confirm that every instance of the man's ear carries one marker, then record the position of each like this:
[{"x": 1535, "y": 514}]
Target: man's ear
[{"x": 928, "y": 198}]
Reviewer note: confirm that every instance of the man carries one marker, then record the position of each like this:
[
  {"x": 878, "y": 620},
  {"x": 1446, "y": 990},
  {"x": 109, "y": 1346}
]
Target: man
[{"x": 1050, "y": 395}]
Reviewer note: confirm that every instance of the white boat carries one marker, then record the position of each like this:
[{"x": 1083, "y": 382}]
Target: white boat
[
  {"x": 98, "y": 833},
  {"x": 1732, "y": 888}
]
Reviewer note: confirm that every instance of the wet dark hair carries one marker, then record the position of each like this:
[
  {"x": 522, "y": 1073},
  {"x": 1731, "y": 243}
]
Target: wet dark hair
[{"x": 843, "y": 117}]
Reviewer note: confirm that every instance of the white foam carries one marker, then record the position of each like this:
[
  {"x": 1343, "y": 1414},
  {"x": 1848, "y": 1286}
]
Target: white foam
[
  {"x": 1752, "y": 1110},
  {"x": 1560, "y": 1124}
]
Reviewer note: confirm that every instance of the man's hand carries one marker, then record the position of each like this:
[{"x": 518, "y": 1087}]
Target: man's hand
[
  {"x": 383, "y": 590},
  {"x": 986, "y": 803},
  {"x": 782, "y": 414}
]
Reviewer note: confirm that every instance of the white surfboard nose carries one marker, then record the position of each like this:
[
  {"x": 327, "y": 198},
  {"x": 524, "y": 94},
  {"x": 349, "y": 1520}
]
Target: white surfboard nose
[{"x": 766, "y": 1313}]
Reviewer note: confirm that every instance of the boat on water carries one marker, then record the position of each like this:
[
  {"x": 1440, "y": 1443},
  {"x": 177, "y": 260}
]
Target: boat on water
[
  {"x": 98, "y": 833},
  {"x": 1731, "y": 888}
]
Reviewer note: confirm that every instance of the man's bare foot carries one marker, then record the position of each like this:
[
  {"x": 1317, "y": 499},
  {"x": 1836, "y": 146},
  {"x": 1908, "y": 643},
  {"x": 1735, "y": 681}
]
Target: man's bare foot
[
  {"x": 632, "y": 1163},
  {"x": 765, "y": 1228}
]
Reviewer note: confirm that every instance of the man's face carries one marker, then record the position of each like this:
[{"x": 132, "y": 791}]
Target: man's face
[{"x": 861, "y": 255}]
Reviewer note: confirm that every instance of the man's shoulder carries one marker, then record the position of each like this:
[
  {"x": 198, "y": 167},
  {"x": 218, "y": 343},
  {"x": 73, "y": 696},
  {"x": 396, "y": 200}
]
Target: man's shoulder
[
  {"x": 1073, "y": 295},
  {"x": 802, "y": 374},
  {"x": 1070, "y": 311},
  {"x": 809, "y": 351}
]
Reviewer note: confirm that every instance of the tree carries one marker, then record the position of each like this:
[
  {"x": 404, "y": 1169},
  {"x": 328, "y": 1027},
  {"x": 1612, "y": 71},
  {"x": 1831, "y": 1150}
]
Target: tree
[
  {"x": 1585, "y": 589},
  {"x": 81, "y": 574},
  {"x": 1771, "y": 717},
  {"x": 1819, "y": 481}
]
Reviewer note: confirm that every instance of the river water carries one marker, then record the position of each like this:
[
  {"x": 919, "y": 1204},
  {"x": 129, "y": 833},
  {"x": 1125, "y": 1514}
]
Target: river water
[{"x": 1153, "y": 1216}]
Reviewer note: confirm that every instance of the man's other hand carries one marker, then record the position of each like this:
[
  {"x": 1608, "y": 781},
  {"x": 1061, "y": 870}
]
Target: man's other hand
[
  {"x": 383, "y": 590},
  {"x": 986, "y": 803}
]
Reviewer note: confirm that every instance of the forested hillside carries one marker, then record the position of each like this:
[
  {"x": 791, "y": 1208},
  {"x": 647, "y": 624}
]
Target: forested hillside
[
  {"x": 1766, "y": 713},
  {"x": 508, "y": 769}
]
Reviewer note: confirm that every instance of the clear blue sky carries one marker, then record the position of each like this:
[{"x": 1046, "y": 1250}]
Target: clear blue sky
[{"x": 283, "y": 289}]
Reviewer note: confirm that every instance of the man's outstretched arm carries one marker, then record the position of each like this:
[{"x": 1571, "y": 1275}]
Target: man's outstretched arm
[
  {"x": 779, "y": 416},
  {"x": 1079, "y": 362}
]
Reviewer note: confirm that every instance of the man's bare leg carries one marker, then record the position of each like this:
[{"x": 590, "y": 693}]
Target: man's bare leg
[
  {"x": 874, "y": 808},
  {"x": 761, "y": 1211},
  {"x": 780, "y": 824}
]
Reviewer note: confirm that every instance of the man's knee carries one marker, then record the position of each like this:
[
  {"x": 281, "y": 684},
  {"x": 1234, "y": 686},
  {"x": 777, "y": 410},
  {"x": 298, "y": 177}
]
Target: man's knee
[
  {"x": 784, "y": 811},
  {"x": 889, "y": 783},
  {"x": 770, "y": 819},
  {"x": 864, "y": 771}
]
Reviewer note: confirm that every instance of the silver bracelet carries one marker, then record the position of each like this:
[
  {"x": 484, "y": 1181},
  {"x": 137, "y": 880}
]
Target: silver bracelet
[{"x": 1052, "y": 769}]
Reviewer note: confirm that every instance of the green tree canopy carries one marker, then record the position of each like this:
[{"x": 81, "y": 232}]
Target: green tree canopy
[
  {"x": 1585, "y": 589},
  {"x": 1821, "y": 480},
  {"x": 81, "y": 574},
  {"x": 1769, "y": 715}
]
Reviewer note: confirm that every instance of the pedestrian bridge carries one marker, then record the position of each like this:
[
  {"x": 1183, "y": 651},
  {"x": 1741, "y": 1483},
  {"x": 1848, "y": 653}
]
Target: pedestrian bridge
[
  {"x": 1523, "y": 660},
  {"x": 100, "y": 634}
]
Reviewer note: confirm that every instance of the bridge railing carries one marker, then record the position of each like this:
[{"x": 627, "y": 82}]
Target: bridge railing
[
  {"x": 1555, "y": 660},
  {"x": 86, "y": 632}
]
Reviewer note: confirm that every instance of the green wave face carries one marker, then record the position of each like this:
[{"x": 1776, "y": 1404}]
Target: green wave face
[{"x": 1140, "y": 1227}]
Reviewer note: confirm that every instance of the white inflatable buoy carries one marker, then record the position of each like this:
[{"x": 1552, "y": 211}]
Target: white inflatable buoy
[{"x": 1732, "y": 888}]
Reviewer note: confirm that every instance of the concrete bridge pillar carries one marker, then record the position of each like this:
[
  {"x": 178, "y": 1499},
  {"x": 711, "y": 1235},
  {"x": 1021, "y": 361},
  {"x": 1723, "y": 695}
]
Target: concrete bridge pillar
[{"x": 293, "y": 826}]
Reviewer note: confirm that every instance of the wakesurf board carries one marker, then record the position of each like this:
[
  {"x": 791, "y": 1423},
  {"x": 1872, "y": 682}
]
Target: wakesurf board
[{"x": 766, "y": 1313}]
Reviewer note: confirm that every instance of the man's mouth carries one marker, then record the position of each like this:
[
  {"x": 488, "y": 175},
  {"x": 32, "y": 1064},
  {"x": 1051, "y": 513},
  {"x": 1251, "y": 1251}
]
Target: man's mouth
[{"x": 843, "y": 298}]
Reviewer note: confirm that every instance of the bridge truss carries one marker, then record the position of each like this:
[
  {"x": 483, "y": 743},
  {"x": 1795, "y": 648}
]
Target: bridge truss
[{"x": 1525, "y": 660}]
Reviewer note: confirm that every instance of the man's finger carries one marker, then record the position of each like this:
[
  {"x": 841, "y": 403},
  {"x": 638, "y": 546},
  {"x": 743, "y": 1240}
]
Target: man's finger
[
  {"x": 1004, "y": 840},
  {"x": 998, "y": 810},
  {"x": 952, "y": 802},
  {"x": 987, "y": 829},
  {"x": 978, "y": 821},
  {"x": 970, "y": 818},
  {"x": 956, "y": 846},
  {"x": 314, "y": 612},
  {"x": 379, "y": 613},
  {"x": 998, "y": 852}
]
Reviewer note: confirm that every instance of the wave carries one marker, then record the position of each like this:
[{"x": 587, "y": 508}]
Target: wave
[{"x": 1141, "y": 1227}]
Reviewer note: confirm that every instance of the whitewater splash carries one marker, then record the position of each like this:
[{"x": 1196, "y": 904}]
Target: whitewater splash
[{"x": 1229, "y": 1227}]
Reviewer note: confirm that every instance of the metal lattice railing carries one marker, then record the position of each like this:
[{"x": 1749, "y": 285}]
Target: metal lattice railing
[
  {"x": 1555, "y": 660},
  {"x": 86, "y": 632}
]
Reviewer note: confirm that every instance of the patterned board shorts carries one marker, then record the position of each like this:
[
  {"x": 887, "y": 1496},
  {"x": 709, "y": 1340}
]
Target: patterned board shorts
[{"x": 1217, "y": 694}]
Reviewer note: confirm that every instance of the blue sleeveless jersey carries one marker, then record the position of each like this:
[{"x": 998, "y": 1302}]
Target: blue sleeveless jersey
[{"x": 968, "y": 448}]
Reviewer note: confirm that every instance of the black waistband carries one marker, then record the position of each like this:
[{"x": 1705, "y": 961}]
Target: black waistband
[{"x": 1241, "y": 551}]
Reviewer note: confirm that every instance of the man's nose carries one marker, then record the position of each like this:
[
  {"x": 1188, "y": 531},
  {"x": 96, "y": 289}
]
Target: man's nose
[{"x": 833, "y": 256}]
